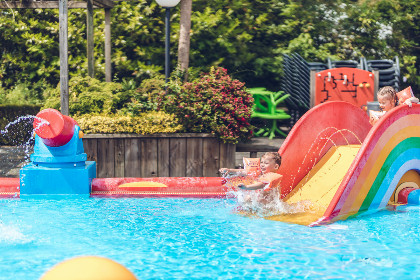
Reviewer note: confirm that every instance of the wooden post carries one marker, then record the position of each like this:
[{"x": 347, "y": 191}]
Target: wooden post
[
  {"x": 312, "y": 88},
  {"x": 89, "y": 35},
  {"x": 64, "y": 64},
  {"x": 376, "y": 84},
  {"x": 108, "y": 69}
]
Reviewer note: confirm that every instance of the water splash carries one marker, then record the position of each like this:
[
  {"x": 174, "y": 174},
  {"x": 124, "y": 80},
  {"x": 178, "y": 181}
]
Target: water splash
[
  {"x": 27, "y": 145},
  {"x": 259, "y": 202},
  {"x": 10, "y": 234},
  {"x": 18, "y": 120},
  {"x": 265, "y": 204}
]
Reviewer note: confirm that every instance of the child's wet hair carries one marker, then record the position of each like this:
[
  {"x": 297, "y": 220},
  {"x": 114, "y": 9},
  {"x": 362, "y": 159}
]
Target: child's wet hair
[
  {"x": 388, "y": 92},
  {"x": 274, "y": 155}
]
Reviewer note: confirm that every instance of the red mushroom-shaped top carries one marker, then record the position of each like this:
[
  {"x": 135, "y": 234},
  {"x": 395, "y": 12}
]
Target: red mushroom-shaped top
[{"x": 57, "y": 130}]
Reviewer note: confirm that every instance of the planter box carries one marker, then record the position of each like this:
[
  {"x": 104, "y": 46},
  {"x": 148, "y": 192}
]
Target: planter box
[{"x": 158, "y": 155}]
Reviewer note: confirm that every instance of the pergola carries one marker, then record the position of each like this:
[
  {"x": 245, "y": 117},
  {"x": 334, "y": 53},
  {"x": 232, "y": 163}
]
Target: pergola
[{"x": 63, "y": 6}]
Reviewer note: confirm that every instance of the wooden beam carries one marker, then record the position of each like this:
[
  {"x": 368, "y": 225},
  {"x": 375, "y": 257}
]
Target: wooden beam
[
  {"x": 108, "y": 69},
  {"x": 46, "y": 5},
  {"x": 64, "y": 63},
  {"x": 89, "y": 32},
  {"x": 104, "y": 3}
]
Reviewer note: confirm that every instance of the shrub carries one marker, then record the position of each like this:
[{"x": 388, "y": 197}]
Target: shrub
[
  {"x": 214, "y": 103},
  {"x": 24, "y": 93},
  {"x": 88, "y": 95},
  {"x": 145, "y": 123},
  {"x": 146, "y": 96}
]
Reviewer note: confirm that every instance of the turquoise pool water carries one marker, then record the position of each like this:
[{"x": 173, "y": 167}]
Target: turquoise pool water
[{"x": 202, "y": 239}]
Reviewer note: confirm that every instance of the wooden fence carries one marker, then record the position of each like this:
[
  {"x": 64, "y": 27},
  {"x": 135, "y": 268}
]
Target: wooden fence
[{"x": 158, "y": 155}]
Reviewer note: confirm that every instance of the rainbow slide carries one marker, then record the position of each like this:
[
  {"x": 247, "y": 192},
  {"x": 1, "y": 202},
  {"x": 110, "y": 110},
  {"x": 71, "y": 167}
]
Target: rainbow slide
[{"x": 343, "y": 166}]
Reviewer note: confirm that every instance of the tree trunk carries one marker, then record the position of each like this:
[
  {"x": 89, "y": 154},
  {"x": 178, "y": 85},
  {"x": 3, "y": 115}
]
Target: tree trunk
[{"x": 184, "y": 37}]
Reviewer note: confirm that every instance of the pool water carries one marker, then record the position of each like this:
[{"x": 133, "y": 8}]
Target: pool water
[{"x": 202, "y": 239}]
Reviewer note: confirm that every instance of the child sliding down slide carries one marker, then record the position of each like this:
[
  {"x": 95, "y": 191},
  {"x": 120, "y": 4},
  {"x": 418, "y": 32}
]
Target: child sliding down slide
[
  {"x": 266, "y": 177},
  {"x": 256, "y": 187}
]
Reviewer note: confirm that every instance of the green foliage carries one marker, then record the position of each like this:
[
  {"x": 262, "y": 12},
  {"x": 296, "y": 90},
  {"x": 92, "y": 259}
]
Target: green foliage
[
  {"x": 24, "y": 94},
  {"x": 146, "y": 96},
  {"x": 247, "y": 37},
  {"x": 88, "y": 95},
  {"x": 214, "y": 103},
  {"x": 145, "y": 123},
  {"x": 28, "y": 42}
]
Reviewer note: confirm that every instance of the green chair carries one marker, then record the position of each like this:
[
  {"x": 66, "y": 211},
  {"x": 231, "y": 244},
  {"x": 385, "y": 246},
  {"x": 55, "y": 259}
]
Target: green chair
[{"x": 265, "y": 107}]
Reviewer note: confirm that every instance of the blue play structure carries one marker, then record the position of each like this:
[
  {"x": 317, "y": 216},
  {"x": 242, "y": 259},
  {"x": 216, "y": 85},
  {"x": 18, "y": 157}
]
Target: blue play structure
[{"x": 58, "y": 164}]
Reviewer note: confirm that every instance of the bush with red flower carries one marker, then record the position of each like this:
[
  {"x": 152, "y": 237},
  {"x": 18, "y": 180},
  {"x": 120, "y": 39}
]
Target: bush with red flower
[{"x": 213, "y": 103}]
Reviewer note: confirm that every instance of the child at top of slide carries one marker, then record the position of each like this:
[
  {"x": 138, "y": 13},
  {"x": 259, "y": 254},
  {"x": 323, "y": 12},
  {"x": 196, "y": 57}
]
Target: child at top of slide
[{"x": 387, "y": 98}]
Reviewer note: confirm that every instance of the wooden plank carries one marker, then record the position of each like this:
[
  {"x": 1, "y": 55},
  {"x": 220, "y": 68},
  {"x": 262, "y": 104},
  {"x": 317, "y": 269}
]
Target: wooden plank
[
  {"x": 108, "y": 67},
  {"x": 132, "y": 156},
  {"x": 163, "y": 157},
  {"x": 89, "y": 35},
  {"x": 227, "y": 155},
  {"x": 119, "y": 151},
  {"x": 91, "y": 149},
  {"x": 177, "y": 157},
  {"x": 194, "y": 163},
  {"x": 148, "y": 158},
  {"x": 63, "y": 50},
  {"x": 106, "y": 158},
  {"x": 211, "y": 152}
]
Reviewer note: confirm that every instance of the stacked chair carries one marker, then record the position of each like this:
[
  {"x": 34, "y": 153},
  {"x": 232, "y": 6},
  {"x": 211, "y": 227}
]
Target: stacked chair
[
  {"x": 389, "y": 72},
  {"x": 296, "y": 83},
  {"x": 343, "y": 63}
]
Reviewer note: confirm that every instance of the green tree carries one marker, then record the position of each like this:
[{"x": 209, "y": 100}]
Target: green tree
[{"x": 246, "y": 37}]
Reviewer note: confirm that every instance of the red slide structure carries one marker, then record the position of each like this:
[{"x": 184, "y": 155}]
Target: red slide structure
[{"x": 326, "y": 125}]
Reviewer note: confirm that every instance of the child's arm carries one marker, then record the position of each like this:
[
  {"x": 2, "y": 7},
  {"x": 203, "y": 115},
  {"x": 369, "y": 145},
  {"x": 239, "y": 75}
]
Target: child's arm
[
  {"x": 373, "y": 120},
  {"x": 230, "y": 171},
  {"x": 266, "y": 182},
  {"x": 374, "y": 116},
  {"x": 411, "y": 100},
  {"x": 254, "y": 186}
]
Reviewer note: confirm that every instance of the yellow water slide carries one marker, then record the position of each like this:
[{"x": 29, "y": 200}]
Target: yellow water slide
[{"x": 316, "y": 190}]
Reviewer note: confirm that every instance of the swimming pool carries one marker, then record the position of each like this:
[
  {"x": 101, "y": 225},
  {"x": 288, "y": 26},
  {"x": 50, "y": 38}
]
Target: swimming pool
[{"x": 202, "y": 239}]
